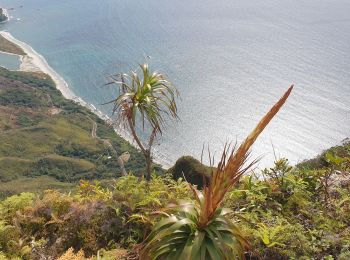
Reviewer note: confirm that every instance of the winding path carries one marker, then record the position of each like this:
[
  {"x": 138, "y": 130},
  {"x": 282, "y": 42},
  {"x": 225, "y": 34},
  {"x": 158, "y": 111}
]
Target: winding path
[{"x": 107, "y": 143}]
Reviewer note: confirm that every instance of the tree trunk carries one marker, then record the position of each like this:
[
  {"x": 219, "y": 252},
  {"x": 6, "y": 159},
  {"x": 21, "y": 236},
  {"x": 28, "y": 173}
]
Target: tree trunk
[
  {"x": 146, "y": 151},
  {"x": 148, "y": 165}
]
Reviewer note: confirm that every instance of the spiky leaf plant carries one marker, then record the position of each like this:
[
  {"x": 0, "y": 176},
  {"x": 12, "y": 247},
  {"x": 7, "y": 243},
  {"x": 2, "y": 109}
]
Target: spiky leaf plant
[
  {"x": 201, "y": 229},
  {"x": 147, "y": 96}
]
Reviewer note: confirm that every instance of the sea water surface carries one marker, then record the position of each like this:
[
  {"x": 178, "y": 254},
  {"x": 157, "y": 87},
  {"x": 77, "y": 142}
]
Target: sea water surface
[
  {"x": 230, "y": 59},
  {"x": 9, "y": 61}
]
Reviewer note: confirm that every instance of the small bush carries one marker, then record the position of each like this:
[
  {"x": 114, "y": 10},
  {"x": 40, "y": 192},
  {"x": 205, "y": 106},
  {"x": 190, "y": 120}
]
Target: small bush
[{"x": 191, "y": 170}]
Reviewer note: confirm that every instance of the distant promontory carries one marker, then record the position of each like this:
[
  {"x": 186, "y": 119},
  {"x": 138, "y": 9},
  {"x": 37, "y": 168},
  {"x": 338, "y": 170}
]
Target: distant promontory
[{"x": 3, "y": 15}]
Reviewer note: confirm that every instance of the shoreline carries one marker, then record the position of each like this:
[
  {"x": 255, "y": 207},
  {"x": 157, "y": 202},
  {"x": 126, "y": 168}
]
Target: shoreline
[{"x": 35, "y": 62}]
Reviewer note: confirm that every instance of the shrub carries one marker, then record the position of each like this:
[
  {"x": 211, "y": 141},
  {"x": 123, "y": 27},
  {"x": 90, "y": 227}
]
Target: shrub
[
  {"x": 11, "y": 205},
  {"x": 191, "y": 170}
]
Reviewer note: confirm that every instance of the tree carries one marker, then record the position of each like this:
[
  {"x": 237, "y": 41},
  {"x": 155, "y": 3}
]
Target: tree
[{"x": 148, "y": 97}]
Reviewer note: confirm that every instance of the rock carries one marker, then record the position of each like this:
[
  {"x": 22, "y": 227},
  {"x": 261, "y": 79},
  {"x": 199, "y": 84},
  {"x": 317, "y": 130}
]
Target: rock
[{"x": 192, "y": 170}]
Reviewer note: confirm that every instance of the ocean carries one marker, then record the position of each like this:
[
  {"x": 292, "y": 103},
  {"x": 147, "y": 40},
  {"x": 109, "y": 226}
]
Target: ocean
[
  {"x": 9, "y": 61},
  {"x": 231, "y": 60}
]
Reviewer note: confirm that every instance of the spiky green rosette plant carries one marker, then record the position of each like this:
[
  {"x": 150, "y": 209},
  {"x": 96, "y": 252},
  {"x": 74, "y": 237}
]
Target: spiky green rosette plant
[
  {"x": 202, "y": 230},
  {"x": 148, "y": 97}
]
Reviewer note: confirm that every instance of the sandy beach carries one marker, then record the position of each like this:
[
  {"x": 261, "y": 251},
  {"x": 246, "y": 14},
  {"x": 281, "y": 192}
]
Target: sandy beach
[{"x": 35, "y": 62}]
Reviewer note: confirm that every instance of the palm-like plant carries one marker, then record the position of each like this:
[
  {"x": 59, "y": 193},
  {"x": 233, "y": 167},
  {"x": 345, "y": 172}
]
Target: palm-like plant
[
  {"x": 201, "y": 229},
  {"x": 148, "y": 97}
]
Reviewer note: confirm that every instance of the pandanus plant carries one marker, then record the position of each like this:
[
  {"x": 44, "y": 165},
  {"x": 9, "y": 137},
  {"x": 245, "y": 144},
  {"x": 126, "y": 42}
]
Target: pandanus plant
[
  {"x": 202, "y": 229},
  {"x": 148, "y": 97}
]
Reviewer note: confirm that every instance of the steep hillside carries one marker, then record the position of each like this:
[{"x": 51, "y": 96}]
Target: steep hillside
[{"x": 43, "y": 134}]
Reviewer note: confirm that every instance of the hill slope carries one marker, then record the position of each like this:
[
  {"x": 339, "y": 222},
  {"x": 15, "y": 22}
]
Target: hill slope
[{"x": 43, "y": 134}]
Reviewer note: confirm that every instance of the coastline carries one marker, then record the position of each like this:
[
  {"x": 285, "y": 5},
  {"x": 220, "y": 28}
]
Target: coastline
[{"x": 35, "y": 62}]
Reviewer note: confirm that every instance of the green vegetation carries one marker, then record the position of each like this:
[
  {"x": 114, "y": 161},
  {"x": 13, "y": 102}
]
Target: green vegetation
[
  {"x": 7, "y": 46},
  {"x": 150, "y": 98},
  {"x": 48, "y": 145},
  {"x": 201, "y": 229},
  {"x": 94, "y": 218},
  {"x": 12, "y": 168},
  {"x": 35, "y": 185},
  {"x": 192, "y": 170},
  {"x": 43, "y": 134},
  {"x": 282, "y": 215}
]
